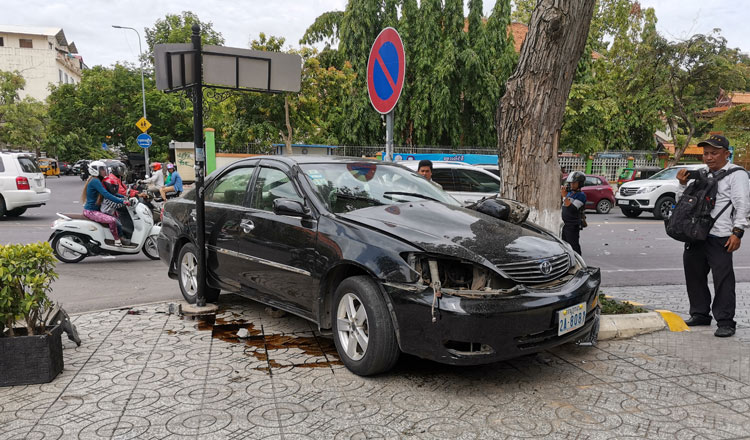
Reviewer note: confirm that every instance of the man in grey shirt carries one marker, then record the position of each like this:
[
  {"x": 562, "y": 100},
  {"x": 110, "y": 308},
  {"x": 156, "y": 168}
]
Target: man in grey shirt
[{"x": 715, "y": 253}]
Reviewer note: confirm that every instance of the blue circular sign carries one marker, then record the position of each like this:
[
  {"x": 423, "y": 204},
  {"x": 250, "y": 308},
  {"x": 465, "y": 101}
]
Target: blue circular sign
[{"x": 144, "y": 140}]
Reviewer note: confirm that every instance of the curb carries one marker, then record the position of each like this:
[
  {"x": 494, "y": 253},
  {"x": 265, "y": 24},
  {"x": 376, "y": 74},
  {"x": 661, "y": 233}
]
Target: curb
[{"x": 627, "y": 326}]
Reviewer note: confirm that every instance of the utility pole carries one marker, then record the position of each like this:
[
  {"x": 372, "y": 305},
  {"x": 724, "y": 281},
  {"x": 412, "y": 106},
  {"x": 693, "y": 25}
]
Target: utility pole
[{"x": 143, "y": 87}]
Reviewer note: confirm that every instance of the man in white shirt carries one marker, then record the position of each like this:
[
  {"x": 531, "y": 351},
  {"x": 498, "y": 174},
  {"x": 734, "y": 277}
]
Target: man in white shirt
[
  {"x": 715, "y": 253},
  {"x": 156, "y": 181}
]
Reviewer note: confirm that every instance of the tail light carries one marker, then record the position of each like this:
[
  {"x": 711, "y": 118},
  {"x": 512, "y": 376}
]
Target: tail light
[
  {"x": 161, "y": 214},
  {"x": 22, "y": 183}
]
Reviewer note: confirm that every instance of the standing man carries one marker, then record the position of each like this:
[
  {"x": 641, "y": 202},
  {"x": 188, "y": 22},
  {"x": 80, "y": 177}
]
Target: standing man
[
  {"x": 715, "y": 253},
  {"x": 425, "y": 170},
  {"x": 574, "y": 201},
  {"x": 175, "y": 182}
]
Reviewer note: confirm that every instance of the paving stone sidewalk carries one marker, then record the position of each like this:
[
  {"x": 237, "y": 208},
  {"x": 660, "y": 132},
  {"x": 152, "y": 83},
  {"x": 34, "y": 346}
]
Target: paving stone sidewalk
[{"x": 143, "y": 373}]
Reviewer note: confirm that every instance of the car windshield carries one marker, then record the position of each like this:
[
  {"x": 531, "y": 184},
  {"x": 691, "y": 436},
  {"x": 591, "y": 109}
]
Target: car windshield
[
  {"x": 667, "y": 174},
  {"x": 345, "y": 187}
]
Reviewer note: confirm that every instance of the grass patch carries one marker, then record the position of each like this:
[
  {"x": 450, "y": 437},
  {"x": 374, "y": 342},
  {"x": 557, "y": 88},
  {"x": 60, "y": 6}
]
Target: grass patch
[{"x": 614, "y": 307}]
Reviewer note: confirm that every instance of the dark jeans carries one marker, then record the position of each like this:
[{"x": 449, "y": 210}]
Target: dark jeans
[
  {"x": 571, "y": 234},
  {"x": 700, "y": 258}
]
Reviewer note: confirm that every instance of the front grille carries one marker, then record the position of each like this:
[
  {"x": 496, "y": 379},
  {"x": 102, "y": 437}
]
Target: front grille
[
  {"x": 533, "y": 271},
  {"x": 628, "y": 191}
]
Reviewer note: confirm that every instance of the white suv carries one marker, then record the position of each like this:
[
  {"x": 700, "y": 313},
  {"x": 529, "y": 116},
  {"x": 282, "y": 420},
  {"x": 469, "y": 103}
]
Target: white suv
[
  {"x": 466, "y": 183},
  {"x": 22, "y": 184},
  {"x": 655, "y": 194}
]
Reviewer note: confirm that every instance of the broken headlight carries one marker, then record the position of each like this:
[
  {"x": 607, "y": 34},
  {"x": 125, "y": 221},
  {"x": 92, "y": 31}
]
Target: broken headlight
[{"x": 460, "y": 277}]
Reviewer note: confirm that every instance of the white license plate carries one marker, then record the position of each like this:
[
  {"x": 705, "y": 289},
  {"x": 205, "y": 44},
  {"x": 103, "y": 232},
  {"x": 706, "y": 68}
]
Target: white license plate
[
  {"x": 623, "y": 202},
  {"x": 571, "y": 318}
]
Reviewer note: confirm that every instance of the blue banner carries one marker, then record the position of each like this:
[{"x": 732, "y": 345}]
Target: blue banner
[{"x": 473, "y": 159}]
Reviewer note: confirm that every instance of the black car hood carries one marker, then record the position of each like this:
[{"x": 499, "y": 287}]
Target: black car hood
[{"x": 458, "y": 232}]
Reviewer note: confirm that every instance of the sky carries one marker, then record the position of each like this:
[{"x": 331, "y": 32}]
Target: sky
[{"x": 88, "y": 22}]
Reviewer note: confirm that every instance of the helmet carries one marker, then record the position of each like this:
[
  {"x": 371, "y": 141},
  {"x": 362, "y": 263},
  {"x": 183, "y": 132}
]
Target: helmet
[
  {"x": 170, "y": 166},
  {"x": 156, "y": 166},
  {"x": 118, "y": 170},
  {"x": 576, "y": 176},
  {"x": 95, "y": 166}
]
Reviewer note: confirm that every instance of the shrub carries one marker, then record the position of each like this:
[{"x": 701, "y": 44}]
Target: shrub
[{"x": 26, "y": 275}]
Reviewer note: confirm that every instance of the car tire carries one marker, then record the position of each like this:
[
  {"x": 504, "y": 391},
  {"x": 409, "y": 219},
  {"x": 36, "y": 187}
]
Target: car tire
[
  {"x": 632, "y": 213},
  {"x": 150, "y": 249},
  {"x": 187, "y": 275},
  {"x": 604, "y": 206},
  {"x": 359, "y": 313},
  {"x": 663, "y": 206},
  {"x": 2, "y": 207},
  {"x": 67, "y": 255},
  {"x": 16, "y": 212}
]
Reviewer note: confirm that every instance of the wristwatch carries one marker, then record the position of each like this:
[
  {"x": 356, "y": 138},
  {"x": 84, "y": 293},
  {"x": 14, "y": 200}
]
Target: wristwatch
[{"x": 738, "y": 232}]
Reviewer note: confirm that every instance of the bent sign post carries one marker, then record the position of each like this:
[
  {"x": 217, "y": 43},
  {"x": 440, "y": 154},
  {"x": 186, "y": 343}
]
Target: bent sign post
[
  {"x": 386, "y": 69},
  {"x": 192, "y": 67}
]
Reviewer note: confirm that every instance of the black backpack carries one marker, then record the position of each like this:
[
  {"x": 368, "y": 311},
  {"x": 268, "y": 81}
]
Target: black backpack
[{"x": 690, "y": 220}]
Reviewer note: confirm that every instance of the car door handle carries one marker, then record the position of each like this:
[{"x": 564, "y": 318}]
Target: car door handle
[
  {"x": 193, "y": 215},
  {"x": 247, "y": 226}
]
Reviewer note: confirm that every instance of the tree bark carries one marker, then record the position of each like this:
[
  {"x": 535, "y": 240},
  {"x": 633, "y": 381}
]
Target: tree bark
[{"x": 530, "y": 114}]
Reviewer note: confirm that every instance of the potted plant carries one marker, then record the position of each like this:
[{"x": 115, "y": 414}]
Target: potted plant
[{"x": 30, "y": 350}]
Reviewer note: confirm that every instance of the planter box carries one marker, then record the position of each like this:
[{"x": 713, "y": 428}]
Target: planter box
[{"x": 28, "y": 360}]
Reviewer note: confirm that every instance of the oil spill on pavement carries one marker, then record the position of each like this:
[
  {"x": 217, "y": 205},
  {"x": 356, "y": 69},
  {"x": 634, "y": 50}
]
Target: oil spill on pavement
[{"x": 259, "y": 345}]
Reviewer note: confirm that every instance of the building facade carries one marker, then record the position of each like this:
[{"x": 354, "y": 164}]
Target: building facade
[{"x": 42, "y": 56}]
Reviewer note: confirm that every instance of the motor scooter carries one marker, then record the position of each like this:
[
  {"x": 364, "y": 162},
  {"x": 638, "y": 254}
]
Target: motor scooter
[{"x": 75, "y": 237}]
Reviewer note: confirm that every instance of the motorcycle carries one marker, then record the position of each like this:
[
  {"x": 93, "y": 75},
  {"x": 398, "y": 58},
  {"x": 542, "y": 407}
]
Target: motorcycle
[
  {"x": 75, "y": 237},
  {"x": 152, "y": 200}
]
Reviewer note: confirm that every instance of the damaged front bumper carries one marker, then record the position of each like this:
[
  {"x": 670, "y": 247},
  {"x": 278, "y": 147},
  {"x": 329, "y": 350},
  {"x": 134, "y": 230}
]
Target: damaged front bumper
[{"x": 465, "y": 330}]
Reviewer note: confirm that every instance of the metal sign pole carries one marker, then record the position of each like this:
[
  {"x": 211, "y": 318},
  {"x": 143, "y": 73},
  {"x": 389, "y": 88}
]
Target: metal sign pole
[
  {"x": 389, "y": 136},
  {"x": 200, "y": 158}
]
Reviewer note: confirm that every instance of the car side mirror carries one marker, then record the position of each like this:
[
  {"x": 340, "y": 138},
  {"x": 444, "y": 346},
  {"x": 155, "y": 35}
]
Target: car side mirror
[{"x": 292, "y": 208}]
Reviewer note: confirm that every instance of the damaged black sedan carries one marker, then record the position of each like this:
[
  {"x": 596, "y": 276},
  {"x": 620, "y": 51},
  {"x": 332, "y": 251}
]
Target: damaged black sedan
[{"x": 384, "y": 260}]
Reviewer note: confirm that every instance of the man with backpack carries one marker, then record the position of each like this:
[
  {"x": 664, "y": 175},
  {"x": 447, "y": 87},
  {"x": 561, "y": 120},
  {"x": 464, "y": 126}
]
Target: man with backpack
[{"x": 718, "y": 201}]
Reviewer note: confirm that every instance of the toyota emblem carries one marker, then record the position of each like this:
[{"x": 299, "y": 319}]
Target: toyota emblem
[{"x": 545, "y": 267}]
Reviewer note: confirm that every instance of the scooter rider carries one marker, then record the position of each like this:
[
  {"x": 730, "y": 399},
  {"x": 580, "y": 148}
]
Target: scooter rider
[
  {"x": 115, "y": 178},
  {"x": 156, "y": 181},
  {"x": 92, "y": 191}
]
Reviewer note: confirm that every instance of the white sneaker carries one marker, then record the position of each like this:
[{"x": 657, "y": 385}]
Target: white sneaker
[{"x": 118, "y": 243}]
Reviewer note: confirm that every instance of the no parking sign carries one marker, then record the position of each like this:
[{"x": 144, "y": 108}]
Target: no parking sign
[{"x": 386, "y": 68}]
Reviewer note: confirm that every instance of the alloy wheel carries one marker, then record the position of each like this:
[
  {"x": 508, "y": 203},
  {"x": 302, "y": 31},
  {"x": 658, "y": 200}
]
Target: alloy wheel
[
  {"x": 352, "y": 326},
  {"x": 189, "y": 273}
]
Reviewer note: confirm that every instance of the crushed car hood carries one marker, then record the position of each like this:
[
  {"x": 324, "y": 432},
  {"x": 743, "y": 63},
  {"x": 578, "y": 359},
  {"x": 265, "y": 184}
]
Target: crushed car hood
[{"x": 458, "y": 232}]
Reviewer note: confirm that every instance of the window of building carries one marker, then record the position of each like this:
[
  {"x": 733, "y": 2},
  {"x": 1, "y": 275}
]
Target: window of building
[
  {"x": 66, "y": 78},
  {"x": 50, "y": 46},
  {"x": 60, "y": 72},
  {"x": 25, "y": 43},
  {"x": 2, "y": 42}
]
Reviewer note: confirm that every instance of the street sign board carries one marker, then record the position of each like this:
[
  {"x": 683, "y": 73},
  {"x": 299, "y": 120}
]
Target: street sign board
[
  {"x": 143, "y": 124},
  {"x": 386, "y": 68},
  {"x": 227, "y": 67},
  {"x": 144, "y": 140}
]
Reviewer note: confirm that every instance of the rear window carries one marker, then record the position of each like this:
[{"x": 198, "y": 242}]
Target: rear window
[
  {"x": 2, "y": 165},
  {"x": 28, "y": 165}
]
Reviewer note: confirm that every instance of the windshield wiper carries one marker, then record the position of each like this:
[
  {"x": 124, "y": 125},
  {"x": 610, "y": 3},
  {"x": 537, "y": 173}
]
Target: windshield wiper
[
  {"x": 354, "y": 197},
  {"x": 399, "y": 193}
]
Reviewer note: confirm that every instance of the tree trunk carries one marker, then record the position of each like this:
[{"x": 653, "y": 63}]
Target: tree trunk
[{"x": 529, "y": 116}]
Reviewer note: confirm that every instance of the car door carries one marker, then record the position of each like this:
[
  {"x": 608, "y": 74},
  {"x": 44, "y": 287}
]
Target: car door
[
  {"x": 279, "y": 250},
  {"x": 225, "y": 207},
  {"x": 473, "y": 184}
]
